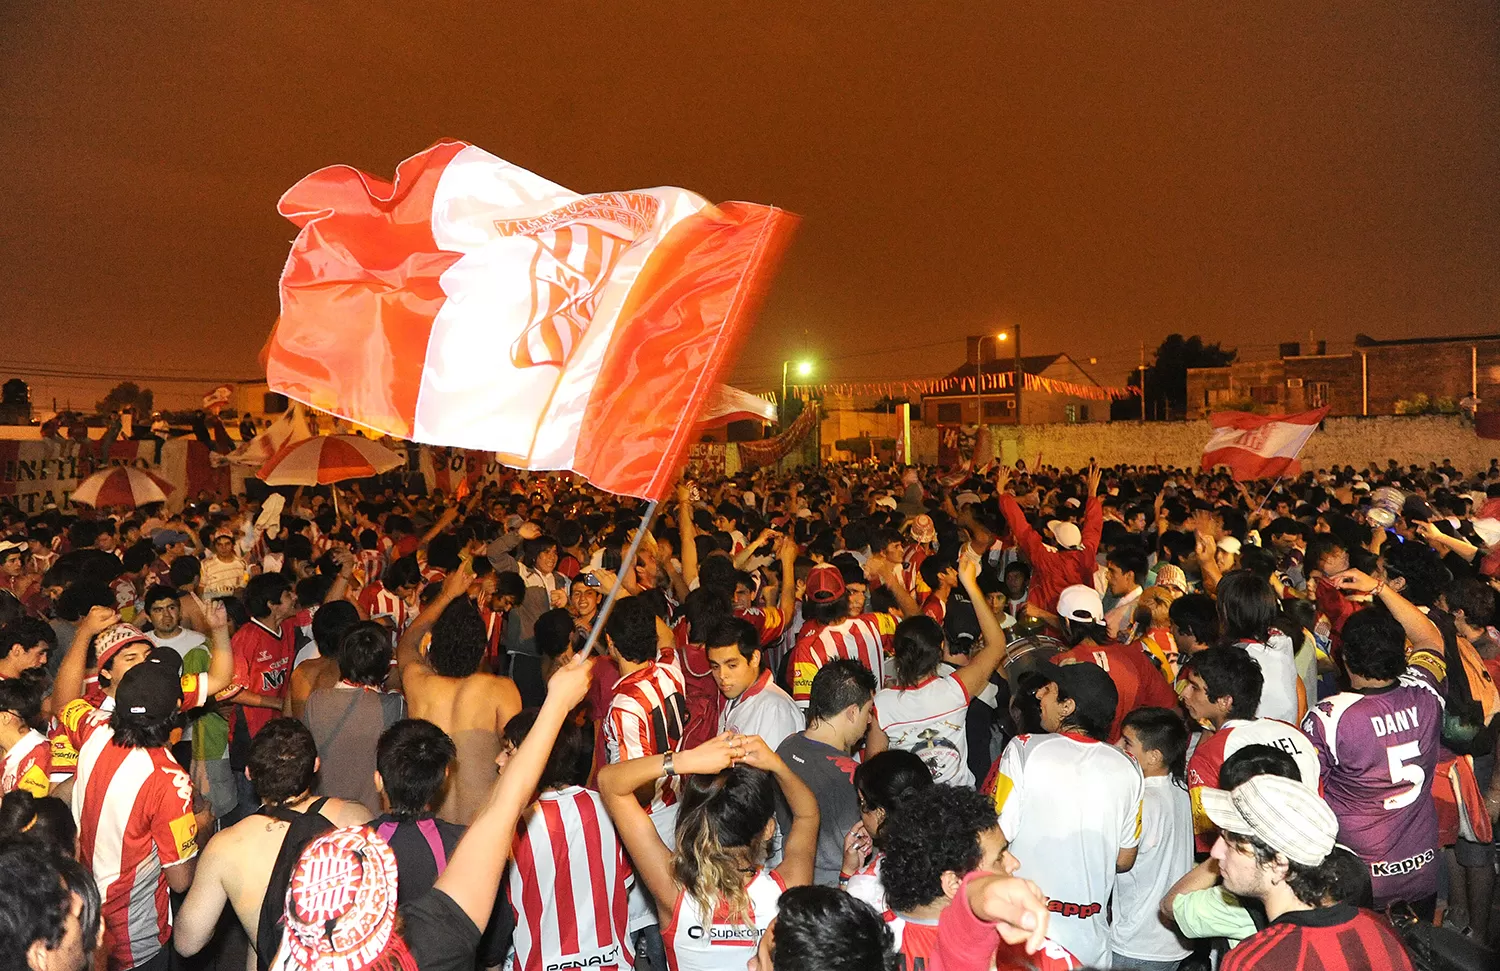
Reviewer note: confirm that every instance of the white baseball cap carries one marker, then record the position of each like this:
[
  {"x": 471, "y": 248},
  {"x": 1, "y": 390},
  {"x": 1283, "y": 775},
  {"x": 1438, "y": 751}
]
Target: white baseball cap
[
  {"x": 1067, "y": 535},
  {"x": 1081, "y": 603},
  {"x": 1282, "y": 813},
  {"x": 886, "y": 502}
]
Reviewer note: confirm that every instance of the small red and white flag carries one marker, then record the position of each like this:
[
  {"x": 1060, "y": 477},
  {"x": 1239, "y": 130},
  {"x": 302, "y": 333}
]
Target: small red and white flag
[
  {"x": 728, "y": 404},
  {"x": 474, "y": 304},
  {"x": 1259, "y": 446}
]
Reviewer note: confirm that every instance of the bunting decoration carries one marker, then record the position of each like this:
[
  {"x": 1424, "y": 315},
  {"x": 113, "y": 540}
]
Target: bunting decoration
[{"x": 992, "y": 382}]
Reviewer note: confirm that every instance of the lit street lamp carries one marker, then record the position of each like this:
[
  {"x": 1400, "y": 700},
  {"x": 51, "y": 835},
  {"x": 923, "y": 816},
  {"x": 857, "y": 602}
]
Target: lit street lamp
[
  {"x": 804, "y": 369},
  {"x": 1001, "y": 337}
]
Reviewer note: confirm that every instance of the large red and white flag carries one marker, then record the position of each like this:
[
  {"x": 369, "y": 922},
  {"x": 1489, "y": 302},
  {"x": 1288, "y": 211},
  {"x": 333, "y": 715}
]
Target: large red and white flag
[
  {"x": 474, "y": 304},
  {"x": 1259, "y": 446}
]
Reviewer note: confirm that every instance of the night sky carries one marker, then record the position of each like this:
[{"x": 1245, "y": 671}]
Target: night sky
[{"x": 1102, "y": 173}]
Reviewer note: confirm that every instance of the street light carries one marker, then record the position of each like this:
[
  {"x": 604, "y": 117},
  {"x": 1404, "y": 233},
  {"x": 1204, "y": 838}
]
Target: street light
[
  {"x": 1001, "y": 337},
  {"x": 804, "y": 369}
]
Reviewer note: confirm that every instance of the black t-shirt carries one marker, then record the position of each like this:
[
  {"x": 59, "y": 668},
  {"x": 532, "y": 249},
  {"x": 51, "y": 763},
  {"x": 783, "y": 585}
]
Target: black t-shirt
[
  {"x": 439, "y": 934},
  {"x": 415, "y": 864},
  {"x": 417, "y": 871}
]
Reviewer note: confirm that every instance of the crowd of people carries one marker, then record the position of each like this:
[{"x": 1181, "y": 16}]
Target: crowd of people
[{"x": 852, "y": 717}]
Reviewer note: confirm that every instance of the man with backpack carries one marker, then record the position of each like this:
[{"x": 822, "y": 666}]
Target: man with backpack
[{"x": 248, "y": 864}]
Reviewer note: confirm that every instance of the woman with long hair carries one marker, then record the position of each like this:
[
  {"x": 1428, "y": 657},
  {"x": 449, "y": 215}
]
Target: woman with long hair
[
  {"x": 714, "y": 893},
  {"x": 1251, "y": 619},
  {"x": 926, "y": 712}
]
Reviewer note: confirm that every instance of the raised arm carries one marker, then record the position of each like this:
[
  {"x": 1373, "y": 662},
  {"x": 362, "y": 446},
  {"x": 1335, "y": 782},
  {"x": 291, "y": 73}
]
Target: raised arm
[
  {"x": 890, "y": 574},
  {"x": 70, "y": 673},
  {"x": 1026, "y": 538},
  {"x": 1422, "y": 633},
  {"x": 975, "y": 676},
  {"x": 618, "y": 783},
  {"x": 687, "y": 538},
  {"x": 220, "y": 652},
  {"x": 408, "y": 654},
  {"x": 788, "y": 601},
  {"x": 796, "y": 868},
  {"x": 1093, "y": 513},
  {"x": 472, "y": 878}
]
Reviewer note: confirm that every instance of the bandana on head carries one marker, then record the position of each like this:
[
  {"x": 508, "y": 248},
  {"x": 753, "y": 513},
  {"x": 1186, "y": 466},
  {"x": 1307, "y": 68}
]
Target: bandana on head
[{"x": 340, "y": 903}]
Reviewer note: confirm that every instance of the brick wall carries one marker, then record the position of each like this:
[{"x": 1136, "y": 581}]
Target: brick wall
[{"x": 1341, "y": 441}]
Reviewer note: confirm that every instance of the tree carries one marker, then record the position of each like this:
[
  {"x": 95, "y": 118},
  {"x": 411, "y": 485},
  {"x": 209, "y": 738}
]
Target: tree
[
  {"x": 1166, "y": 378},
  {"x": 15, "y": 402},
  {"x": 126, "y": 394}
]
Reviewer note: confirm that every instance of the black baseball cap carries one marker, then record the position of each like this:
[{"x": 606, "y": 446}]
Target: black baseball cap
[
  {"x": 150, "y": 692},
  {"x": 1094, "y": 695}
]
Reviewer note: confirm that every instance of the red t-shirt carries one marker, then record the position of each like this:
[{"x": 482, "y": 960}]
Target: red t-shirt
[
  {"x": 262, "y": 664},
  {"x": 1137, "y": 680}
]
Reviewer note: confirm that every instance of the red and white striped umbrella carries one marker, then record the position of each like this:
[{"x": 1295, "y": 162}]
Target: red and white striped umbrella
[
  {"x": 121, "y": 485},
  {"x": 328, "y": 458}
]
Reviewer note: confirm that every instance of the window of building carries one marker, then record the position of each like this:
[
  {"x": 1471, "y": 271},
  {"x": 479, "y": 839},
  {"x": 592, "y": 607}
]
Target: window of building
[
  {"x": 950, "y": 412},
  {"x": 1263, "y": 394},
  {"x": 997, "y": 409},
  {"x": 1073, "y": 414},
  {"x": 1317, "y": 394}
]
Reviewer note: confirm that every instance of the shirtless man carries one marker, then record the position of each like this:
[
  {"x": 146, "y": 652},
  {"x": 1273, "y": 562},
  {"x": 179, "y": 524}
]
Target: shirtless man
[
  {"x": 236, "y": 865},
  {"x": 446, "y": 687}
]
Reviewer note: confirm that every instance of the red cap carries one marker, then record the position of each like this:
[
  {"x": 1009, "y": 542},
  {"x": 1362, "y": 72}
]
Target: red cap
[{"x": 825, "y": 583}]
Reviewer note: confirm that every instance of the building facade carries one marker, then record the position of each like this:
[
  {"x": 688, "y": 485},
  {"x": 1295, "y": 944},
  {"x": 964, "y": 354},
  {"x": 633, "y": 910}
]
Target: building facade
[
  {"x": 999, "y": 407},
  {"x": 1378, "y": 377}
]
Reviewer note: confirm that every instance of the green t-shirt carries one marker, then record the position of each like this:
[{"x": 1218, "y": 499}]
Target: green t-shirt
[{"x": 1212, "y": 912}]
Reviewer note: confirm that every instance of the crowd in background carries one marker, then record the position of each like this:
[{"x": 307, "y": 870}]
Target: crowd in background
[{"x": 851, "y": 717}]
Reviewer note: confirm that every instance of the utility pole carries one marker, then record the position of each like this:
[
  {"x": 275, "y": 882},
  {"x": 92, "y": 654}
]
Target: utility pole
[{"x": 1143, "y": 381}]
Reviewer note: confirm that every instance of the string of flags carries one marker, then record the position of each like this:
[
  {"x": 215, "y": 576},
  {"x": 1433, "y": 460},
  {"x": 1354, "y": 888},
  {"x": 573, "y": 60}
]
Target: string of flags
[{"x": 963, "y": 384}]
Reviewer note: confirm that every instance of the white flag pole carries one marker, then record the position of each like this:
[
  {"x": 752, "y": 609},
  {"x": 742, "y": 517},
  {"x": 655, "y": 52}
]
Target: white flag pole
[{"x": 626, "y": 564}]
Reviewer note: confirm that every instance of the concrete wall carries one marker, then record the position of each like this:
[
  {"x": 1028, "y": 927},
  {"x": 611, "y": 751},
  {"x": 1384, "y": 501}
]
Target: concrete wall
[{"x": 1341, "y": 441}]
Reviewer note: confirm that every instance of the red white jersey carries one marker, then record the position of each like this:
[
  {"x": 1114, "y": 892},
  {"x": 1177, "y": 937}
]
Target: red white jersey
[
  {"x": 1233, "y": 735},
  {"x": 28, "y": 765},
  {"x": 134, "y": 809},
  {"x": 568, "y": 886},
  {"x": 866, "y": 639},
  {"x": 380, "y": 602},
  {"x": 769, "y": 622},
  {"x": 935, "y": 607},
  {"x": 647, "y": 716},
  {"x": 369, "y": 565},
  {"x": 864, "y": 884},
  {"x": 79, "y": 717},
  {"x": 697, "y": 941}
]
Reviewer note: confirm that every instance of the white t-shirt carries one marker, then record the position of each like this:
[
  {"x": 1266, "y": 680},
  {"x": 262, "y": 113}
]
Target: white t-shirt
[
  {"x": 1164, "y": 855},
  {"x": 183, "y": 642},
  {"x": 1069, "y": 805},
  {"x": 765, "y": 710},
  {"x": 1278, "y": 667},
  {"x": 928, "y": 720}
]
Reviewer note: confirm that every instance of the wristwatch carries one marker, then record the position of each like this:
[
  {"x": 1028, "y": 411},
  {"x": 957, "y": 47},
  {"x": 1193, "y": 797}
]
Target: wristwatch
[{"x": 666, "y": 765}]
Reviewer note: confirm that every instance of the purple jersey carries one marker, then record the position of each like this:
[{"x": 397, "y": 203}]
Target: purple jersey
[{"x": 1378, "y": 749}]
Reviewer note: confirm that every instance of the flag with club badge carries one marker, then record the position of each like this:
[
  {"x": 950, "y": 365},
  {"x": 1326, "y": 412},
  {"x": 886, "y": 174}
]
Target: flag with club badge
[{"x": 473, "y": 304}]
